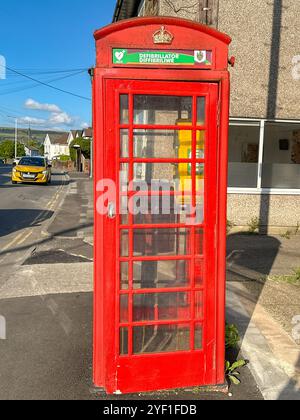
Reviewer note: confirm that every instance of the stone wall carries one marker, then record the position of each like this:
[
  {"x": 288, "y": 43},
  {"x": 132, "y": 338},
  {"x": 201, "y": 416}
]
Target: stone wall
[
  {"x": 266, "y": 39},
  {"x": 187, "y": 9},
  {"x": 279, "y": 212}
]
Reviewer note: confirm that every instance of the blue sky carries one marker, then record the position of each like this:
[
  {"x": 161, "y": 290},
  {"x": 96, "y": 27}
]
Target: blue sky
[{"x": 38, "y": 38}]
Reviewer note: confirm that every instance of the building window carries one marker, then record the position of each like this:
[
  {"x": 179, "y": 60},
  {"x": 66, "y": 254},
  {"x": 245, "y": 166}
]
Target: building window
[
  {"x": 243, "y": 154},
  {"x": 281, "y": 161},
  {"x": 264, "y": 156}
]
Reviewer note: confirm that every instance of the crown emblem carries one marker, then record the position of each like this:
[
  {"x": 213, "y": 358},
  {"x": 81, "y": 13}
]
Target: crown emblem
[{"x": 163, "y": 36}]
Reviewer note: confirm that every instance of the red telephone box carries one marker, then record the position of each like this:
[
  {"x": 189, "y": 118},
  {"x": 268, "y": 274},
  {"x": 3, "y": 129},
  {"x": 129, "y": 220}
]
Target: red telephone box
[{"x": 161, "y": 110}]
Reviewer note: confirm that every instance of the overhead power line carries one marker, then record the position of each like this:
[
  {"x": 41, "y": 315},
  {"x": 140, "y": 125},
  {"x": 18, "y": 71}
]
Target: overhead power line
[
  {"x": 16, "y": 79},
  {"x": 20, "y": 89},
  {"x": 47, "y": 85},
  {"x": 10, "y": 110},
  {"x": 49, "y": 71}
]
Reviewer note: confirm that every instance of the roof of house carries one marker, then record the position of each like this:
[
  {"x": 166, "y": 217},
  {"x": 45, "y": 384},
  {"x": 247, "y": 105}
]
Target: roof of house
[
  {"x": 61, "y": 139},
  {"x": 88, "y": 132},
  {"x": 34, "y": 149},
  {"x": 75, "y": 132}
]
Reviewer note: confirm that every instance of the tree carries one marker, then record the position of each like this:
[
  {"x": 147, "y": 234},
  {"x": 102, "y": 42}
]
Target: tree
[
  {"x": 7, "y": 150},
  {"x": 85, "y": 146}
]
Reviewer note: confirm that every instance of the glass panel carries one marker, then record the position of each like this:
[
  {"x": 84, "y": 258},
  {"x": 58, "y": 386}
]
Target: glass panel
[
  {"x": 199, "y": 311},
  {"x": 124, "y": 109},
  {"x": 124, "y": 309},
  {"x": 161, "y": 274},
  {"x": 156, "y": 242},
  {"x": 160, "y": 339},
  {"x": 198, "y": 337},
  {"x": 146, "y": 212},
  {"x": 124, "y": 210},
  {"x": 124, "y": 176},
  {"x": 200, "y": 152},
  {"x": 124, "y": 251},
  {"x": 155, "y": 143},
  {"x": 124, "y": 276},
  {"x": 281, "y": 165},
  {"x": 243, "y": 156},
  {"x": 124, "y": 180},
  {"x": 171, "y": 144},
  {"x": 199, "y": 272},
  {"x": 200, "y": 180},
  {"x": 161, "y": 110},
  {"x": 185, "y": 142},
  {"x": 162, "y": 210},
  {"x": 199, "y": 241},
  {"x": 161, "y": 306},
  {"x": 200, "y": 190},
  {"x": 124, "y": 143},
  {"x": 186, "y": 185},
  {"x": 123, "y": 341},
  {"x": 199, "y": 219},
  {"x": 161, "y": 177},
  {"x": 201, "y": 102}
]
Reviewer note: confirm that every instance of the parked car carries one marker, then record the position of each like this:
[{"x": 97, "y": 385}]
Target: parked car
[
  {"x": 35, "y": 170},
  {"x": 2, "y": 162}
]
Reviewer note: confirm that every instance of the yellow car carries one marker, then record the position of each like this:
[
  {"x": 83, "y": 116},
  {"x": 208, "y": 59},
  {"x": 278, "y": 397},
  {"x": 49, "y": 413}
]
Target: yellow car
[{"x": 35, "y": 170}]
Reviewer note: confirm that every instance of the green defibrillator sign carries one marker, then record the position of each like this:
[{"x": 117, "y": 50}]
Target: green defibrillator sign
[{"x": 199, "y": 58}]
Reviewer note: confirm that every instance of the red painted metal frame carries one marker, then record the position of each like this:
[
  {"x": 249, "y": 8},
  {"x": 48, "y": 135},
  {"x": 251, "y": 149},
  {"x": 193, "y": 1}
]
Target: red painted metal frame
[{"x": 124, "y": 373}]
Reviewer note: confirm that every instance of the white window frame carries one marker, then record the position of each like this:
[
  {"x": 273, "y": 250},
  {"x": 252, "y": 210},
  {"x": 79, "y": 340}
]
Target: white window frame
[{"x": 259, "y": 190}]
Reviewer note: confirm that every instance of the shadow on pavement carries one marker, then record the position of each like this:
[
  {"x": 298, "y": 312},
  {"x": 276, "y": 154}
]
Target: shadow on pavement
[
  {"x": 250, "y": 259},
  {"x": 44, "y": 241},
  {"x": 13, "y": 220},
  {"x": 292, "y": 390}
]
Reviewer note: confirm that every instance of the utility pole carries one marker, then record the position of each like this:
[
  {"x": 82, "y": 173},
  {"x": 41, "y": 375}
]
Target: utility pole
[
  {"x": 16, "y": 138},
  {"x": 29, "y": 133},
  {"x": 16, "y": 134}
]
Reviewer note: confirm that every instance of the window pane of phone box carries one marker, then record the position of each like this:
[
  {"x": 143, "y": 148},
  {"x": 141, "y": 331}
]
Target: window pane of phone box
[
  {"x": 160, "y": 242},
  {"x": 123, "y": 341},
  {"x": 161, "y": 274},
  {"x": 162, "y": 110},
  {"x": 161, "y": 339},
  {"x": 124, "y": 109},
  {"x": 163, "y": 144},
  {"x": 162, "y": 306}
]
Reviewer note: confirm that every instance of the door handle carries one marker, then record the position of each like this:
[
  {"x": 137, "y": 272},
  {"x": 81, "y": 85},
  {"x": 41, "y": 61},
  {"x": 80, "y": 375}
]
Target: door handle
[{"x": 111, "y": 211}]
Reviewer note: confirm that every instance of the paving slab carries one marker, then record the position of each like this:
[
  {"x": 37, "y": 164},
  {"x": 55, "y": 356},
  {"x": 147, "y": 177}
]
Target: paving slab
[
  {"x": 41, "y": 280},
  {"x": 274, "y": 357}
]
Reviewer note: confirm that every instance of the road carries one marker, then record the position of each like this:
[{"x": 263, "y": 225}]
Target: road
[{"x": 25, "y": 210}]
